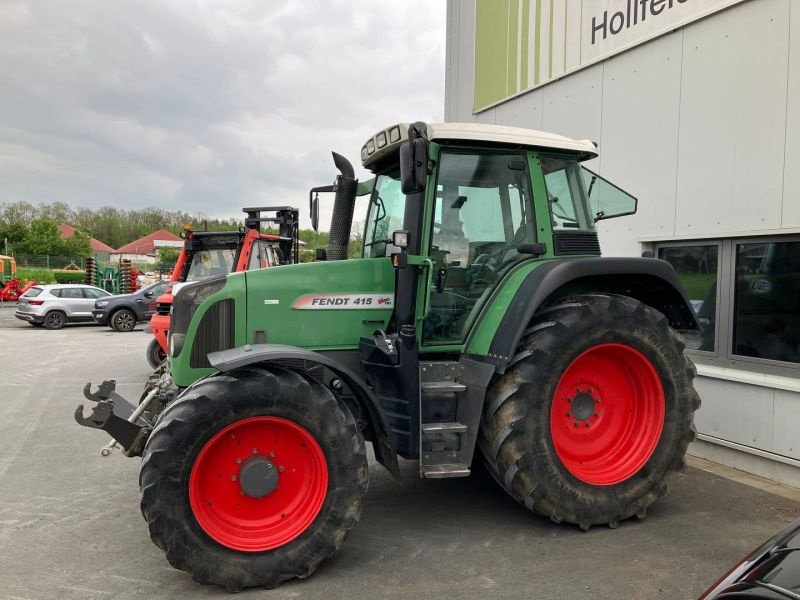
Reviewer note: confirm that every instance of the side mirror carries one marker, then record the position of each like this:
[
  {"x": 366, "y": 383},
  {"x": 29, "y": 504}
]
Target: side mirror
[
  {"x": 148, "y": 294},
  {"x": 413, "y": 166},
  {"x": 315, "y": 213},
  {"x": 414, "y": 160}
]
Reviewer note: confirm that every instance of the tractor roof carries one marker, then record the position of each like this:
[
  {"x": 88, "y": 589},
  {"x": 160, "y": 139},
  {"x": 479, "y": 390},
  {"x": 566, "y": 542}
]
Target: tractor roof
[{"x": 388, "y": 140}]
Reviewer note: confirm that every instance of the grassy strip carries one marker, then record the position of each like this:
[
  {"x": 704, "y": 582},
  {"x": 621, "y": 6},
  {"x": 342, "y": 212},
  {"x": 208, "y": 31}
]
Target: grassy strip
[{"x": 26, "y": 274}]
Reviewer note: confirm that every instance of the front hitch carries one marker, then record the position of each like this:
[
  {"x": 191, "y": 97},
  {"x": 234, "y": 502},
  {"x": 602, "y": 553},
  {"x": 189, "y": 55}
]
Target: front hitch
[{"x": 116, "y": 416}]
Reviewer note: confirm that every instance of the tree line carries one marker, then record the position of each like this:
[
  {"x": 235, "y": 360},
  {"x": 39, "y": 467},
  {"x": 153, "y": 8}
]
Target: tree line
[{"x": 33, "y": 228}]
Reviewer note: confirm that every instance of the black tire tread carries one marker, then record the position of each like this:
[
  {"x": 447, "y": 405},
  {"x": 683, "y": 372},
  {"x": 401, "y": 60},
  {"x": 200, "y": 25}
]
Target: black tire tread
[
  {"x": 63, "y": 323},
  {"x": 509, "y": 456},
  {"x": 112, "y": 319},
  {"x": 153, "y": 348},
  {"x": 189, "y": 549}
]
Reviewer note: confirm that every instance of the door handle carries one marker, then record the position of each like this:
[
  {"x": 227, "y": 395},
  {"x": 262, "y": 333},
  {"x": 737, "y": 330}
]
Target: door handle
[
  {"x": 426, "y": 304},
  {"x": 441, "y": 279}
]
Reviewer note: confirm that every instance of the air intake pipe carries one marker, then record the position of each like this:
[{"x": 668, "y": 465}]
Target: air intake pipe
[{"x": 343, "y": 205}]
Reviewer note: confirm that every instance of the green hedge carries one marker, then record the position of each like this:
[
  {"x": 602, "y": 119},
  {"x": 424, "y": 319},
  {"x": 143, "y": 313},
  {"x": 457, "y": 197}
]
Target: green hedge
[{"x": 26, "y": 274}]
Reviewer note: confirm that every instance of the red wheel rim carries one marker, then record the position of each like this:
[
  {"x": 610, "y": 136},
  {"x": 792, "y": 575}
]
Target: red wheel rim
[
  {"x": 607, "y": 414},
  {"x": 241, "y": 521}
]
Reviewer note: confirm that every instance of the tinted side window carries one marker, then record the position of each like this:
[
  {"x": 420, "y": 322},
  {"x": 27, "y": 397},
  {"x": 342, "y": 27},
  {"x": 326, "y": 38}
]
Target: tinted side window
[
  {"x": 92, "y": 294},
  {"x": 697, "y": 269},
  {"x": 71, "y": 293},
  {"x": 766, "y": 319},
  {"x": 56, "y": 293}
]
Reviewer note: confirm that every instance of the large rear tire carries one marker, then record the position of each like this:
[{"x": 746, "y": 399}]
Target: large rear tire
[
  {"x": 252, "y": 478},
  {"x": 594, "y": 412}
]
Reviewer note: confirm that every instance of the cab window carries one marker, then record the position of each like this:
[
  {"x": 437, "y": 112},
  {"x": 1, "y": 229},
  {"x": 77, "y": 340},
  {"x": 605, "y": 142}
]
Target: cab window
[
  {"x": 385, "y": 215},
  {"x": 259, "y": 257},
  {"x": 566, "y": 194},
  {"x": 483, "y": 213}
]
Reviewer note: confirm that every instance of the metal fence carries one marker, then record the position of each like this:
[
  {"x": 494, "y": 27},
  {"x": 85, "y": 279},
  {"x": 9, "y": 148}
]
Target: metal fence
[{"x": 43, "y": 261}]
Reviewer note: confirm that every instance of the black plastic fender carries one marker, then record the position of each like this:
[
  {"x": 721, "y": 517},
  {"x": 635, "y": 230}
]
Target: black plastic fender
[
  {"x": 651, "y": 281},
  {"x": 228, "y": 360}
]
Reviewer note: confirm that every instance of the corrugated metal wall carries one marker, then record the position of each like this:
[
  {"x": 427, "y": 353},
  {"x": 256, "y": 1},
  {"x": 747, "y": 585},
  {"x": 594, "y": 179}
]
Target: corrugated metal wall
[{"x": 703, "y": 125}]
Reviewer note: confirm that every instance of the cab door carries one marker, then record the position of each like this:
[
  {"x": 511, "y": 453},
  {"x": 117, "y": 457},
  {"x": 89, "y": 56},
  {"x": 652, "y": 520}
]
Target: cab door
[{"x": 483, "y": 212}]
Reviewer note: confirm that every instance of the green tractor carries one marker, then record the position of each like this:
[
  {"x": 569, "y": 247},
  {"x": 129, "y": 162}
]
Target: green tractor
[{"x": 480, "y": 315}]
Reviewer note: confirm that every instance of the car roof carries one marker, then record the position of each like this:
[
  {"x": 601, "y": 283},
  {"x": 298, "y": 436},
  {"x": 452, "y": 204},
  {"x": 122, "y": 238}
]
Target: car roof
[
  {"x": 54, "y": 286},
  {"x": 61, "y": 286}
]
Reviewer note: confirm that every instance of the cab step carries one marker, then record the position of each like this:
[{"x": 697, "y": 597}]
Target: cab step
[
  {"x": 431, "y": 428},
  {"x": 451, "y": 401},
  {"x": 442, "y": 387},
  {"x": 442, "y": 471}
]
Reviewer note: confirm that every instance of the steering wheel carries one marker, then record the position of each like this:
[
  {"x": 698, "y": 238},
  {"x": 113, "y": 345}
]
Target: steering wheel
[{"x": 484, "y": 262}]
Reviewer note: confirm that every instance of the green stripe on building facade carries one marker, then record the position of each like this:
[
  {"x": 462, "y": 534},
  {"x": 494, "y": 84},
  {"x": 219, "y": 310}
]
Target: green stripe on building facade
[
  {"x": 491, "y": 51},
  {"x": 538, "y": 48},
  {"x": 526, "y": 17},
  {"x": 550, "y": 41},
  {"x": 513, "y": 40}
]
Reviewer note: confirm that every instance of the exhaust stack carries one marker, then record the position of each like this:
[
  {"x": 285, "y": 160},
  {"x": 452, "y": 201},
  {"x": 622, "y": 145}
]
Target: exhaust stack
[{"x": 343, "y": 205}]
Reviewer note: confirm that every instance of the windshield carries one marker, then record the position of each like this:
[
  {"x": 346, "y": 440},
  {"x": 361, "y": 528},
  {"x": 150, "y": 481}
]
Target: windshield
[
  {"x": 385, "y": 215},
  {"x": 211, "y": 263}
]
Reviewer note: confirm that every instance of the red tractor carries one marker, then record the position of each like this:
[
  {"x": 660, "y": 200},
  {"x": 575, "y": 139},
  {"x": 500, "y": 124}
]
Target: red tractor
[
  {"x": 11, "y": 288},
  {"x": 210, "y": 253}
]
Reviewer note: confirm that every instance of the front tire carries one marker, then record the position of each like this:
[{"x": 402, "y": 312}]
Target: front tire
[
  {"x": 218, "y": 522},
  {"x": 123, "y": 320},
  {"x": 155, "y": 354},
  {"x": 594, "y": 413}
]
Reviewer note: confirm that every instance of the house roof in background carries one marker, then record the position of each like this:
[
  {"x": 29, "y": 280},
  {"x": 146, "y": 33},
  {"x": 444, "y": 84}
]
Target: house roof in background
[
  {"x": 67, "y": 231},
  {"x": 145, "y": 245}
]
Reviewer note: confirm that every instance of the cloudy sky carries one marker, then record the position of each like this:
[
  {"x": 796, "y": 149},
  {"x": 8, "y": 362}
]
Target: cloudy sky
[{"x": 205, "y": 105}]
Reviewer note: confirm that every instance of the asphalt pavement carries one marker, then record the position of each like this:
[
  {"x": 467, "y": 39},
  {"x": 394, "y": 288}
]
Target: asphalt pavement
[{"x": 70, "y": 526}]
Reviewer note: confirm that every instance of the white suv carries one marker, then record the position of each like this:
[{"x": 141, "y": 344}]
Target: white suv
[{"x": 56, "y": 305}]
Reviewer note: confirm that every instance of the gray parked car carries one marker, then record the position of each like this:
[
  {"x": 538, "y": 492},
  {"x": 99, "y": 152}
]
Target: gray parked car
[{"x": 56, "y": 305}]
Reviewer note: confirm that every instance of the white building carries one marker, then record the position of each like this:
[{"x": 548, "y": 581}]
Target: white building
[{"x": 695, "y": 105}]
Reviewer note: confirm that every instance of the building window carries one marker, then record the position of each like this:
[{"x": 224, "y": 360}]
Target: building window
[
  {"x": 697, "y": 268},
  {"x": 766, "y": 318},
  {"x": 746, "y": 294}
]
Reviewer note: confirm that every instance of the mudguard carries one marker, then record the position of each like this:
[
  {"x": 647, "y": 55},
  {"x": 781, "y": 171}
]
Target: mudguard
[
  {"x": 228, "y": 360},
  {"x": 651, "y": 281}
]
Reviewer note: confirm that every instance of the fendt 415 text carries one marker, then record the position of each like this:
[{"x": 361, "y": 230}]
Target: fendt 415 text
[{"x": 480, "y": 315}]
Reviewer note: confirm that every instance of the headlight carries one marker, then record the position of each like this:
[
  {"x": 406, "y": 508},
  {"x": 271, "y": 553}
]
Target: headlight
[{"x": 100, "y": 303}]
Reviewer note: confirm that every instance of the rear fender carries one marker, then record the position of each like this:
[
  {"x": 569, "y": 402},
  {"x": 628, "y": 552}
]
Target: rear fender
[
  {"x": 251, "y": 354},
  {"x": 651, "y": 281}
]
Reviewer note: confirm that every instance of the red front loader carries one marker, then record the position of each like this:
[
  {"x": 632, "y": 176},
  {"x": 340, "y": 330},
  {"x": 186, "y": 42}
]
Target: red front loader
[{"x": 210, "y": 253}]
